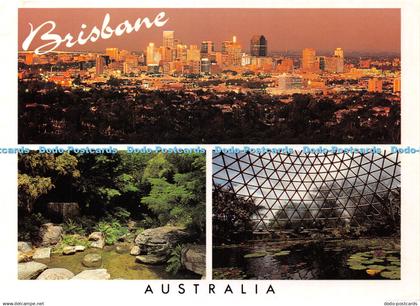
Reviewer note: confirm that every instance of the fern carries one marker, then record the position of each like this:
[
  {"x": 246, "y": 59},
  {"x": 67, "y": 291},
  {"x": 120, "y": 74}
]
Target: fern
[{"x": 174, "y": 262}]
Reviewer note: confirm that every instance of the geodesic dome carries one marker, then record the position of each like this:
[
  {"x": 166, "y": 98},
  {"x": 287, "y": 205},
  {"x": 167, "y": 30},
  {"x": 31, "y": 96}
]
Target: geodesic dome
[{"x": 311, "y": 190}]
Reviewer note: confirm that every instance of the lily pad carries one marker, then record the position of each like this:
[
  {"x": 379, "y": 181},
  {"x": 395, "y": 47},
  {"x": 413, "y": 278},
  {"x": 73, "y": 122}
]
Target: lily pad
[
  {"x": 395, "y": 263},
  {"x": 281, "y": 253},
  {"x": 376, "y": 267},
  {"x": 358, "y": 267},
  {"x": 373, "y": 272},
  {"x": 391, "y": 274},
  {"x": 272, "y": 250},
  {"x": 368, "y": 262},
  {"x": 377, "y": 260},
  {"x": 393, "y": 258},
  {"x": 255, "y": 255},
  {"x": 393, "y": 268}
]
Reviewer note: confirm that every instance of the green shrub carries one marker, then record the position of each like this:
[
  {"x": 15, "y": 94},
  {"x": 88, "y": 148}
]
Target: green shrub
[
  {"x": 112, "y": 231},
  {"x": 121, "y": 214},
  {"x": 70, "y": 240},
  {"x": 174, "y": 262},
  {"x": 71, "y": 226},
  {"x": 28, "y": 226}
]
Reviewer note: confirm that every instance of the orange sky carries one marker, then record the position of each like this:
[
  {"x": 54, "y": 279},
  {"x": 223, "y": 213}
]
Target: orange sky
[{"x": 364, "y": 30}]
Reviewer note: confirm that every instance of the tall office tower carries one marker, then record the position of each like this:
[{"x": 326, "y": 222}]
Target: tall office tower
[
  {"x": 113, "y": 53},
  {"x": 181, "y": 52},
  {"x": 168, "y": 39},
  {"x": 205, "y": 66},
  {"x": 338, "y": 52},
  {"x": 150, "y": 54},
  {"x": 375, "y": 85},
  {"x": 193, "y": 54},
  {"x": 309, "y": 61},
  {"x": 207, "y": 47},
  {"x": 258, "y": 45},
  {"x": 233, "y": 52},
  {"x": 100, "y": 63}
]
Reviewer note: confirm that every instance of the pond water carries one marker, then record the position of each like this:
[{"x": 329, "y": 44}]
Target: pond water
[
  {"x": 119, "y": 266},
  {"x": 307, "y": 260}
]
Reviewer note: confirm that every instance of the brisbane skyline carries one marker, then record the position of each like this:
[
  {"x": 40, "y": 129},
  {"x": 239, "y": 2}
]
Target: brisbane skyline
[{"x": 354, "y": 30}]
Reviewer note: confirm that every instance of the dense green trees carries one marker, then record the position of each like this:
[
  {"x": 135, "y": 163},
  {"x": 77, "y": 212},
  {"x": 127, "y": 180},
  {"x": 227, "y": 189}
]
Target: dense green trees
[
  {"x": 160, "y": 188},
  {"x": 114, "y": 115}
]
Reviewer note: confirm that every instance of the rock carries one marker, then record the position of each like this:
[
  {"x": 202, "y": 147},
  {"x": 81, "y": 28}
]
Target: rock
[
  {"x": 50, "y": 234},
  {"x": 98, "y": 240},
  {"x": 69, "y": 250},
  {"x": 159, "y": 242},
  {"x": 95, "y": 236},
  {"x": 79, "y": 248},
  {"x": 122, "y": 248},
  {"x": 99, "y": 274},
  {"x": 30, "y": 270},
  {"x": 61, "y": 211},
  {"x": 193, "y": 258},
  {"x": 92, "y": 260},
  {"x": 56, "y": 274},
  {"x": 149, "y": 259},
  {"x": 42, "y": 253},
  {"x": 135, "y": 250},
  {"x": 23, "y": 257},
  {"x": 24, "y": 247}
]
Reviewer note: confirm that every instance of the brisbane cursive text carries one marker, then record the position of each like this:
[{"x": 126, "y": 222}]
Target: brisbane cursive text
[{"x": 53, "y": 40}]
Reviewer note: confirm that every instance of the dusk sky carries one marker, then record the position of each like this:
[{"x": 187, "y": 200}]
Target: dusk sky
[{"x": 364, "y": 30}]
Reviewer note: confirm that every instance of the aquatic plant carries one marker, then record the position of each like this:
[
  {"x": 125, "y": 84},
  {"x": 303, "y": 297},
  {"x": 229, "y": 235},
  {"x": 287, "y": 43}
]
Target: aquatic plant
[
  {"x": 389, "y": 268},
  {"x": 255, "y": 255}
]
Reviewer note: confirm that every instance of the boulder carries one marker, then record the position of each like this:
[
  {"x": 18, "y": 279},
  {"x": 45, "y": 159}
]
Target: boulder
[
  {"x": 56, "y": 274},
  {"x": 50, "y": 234},
  {"x": 24, "y": 257},
  {"x": 157, "y": 243},
  {"x": 98, "y": 240},
  {"x": 30, "y": 270},
  {"x": 79, "y": 248},
  {"x": 149, "y": 259},
  {"x": 193, "y": 258},
  {"x": 60, "y": 211},
  {"x": 135, "y": 250},
  {"x": 69, "y": 250},
  {"x": 98, "y": 274},
  {"x": 24, "y": 247},
  {"x": 42, "y": 253},
  {"x": 92, "y": 260}
]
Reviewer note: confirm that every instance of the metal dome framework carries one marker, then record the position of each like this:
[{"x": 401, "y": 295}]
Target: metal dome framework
[{"x": 311, "y": 190}]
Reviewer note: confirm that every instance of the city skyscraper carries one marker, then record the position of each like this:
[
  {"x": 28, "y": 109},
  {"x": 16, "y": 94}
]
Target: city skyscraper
[
  {"x": 113, "y": 53},
  {"x": 168, "y": 39},
  {"x": 150, "y": 54},
  {"x": 100, "y": 63},
  {"x": 258, "y": 45},
  {"x": 309, "y": 61},
  {"x": 207, "y": 47},
  {"x": 375, "y": 85},
  {"x": 232, "y": 51}
]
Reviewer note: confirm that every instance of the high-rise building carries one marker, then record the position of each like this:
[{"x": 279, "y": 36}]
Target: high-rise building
[
  {"x": 100, "y": 63},
  {"x": 207, "y": 47},
  {"x": 232, "y": 51},
  {"x": 205, "y": 66},
  {"x": 258, "y": 45},
  {"x": 309, "y": 61},
  {"x": 150, "y": 54},
  {"x": 375, "y": 85},
  {"x": 338, "y": 52},
  {"x": 193, "y": 53},
  {"x": 181, "y": 52},
  {"x": 113, "y": 53},
  {"x": 168, "y": 39}
]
